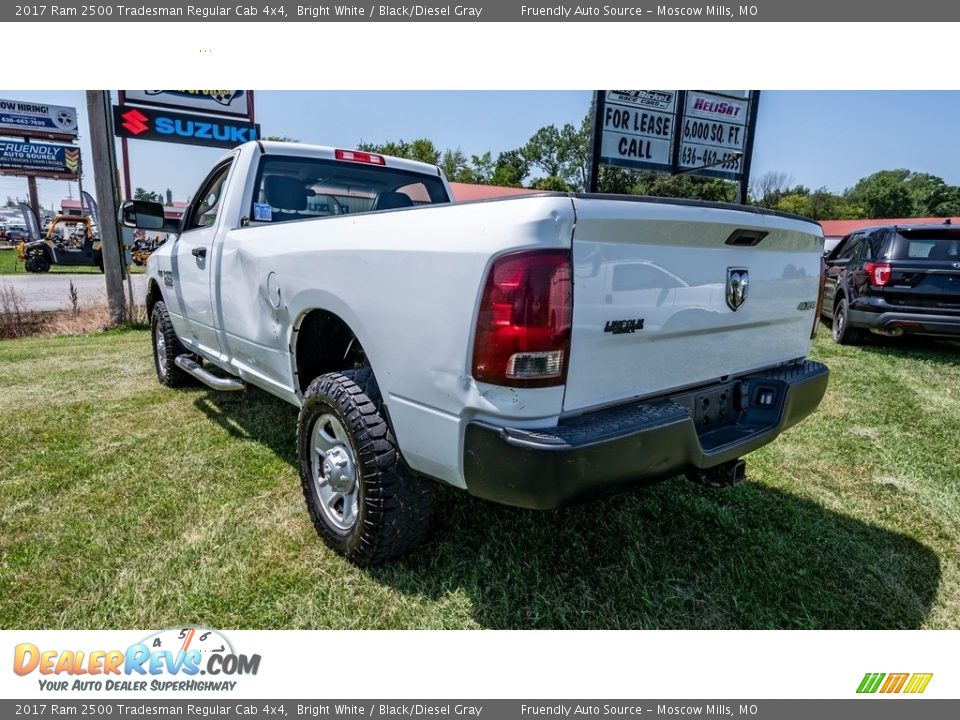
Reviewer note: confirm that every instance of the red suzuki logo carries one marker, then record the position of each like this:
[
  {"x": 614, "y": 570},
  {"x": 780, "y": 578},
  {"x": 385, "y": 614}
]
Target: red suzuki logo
[{"x": 135, "y": 121}]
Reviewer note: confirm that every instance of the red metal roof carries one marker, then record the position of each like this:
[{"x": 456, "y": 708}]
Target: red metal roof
[
  {"x": 840, "y": 228},
  {"x": 462, "y": 192}
]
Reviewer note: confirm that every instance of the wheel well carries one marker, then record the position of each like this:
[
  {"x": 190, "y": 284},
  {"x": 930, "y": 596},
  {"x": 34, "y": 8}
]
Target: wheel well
[
  {"x": 153, "y": 295},
  {"x": 324, "y": 343}
]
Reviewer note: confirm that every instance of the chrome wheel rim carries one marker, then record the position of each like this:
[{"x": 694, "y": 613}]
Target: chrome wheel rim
[
  {"x": 160, "y": 346},
  {"x": 334, "y": 472}
]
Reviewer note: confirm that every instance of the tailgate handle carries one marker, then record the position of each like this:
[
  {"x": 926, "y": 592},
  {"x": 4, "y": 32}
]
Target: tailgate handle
[{"x": 746, "y": 238}]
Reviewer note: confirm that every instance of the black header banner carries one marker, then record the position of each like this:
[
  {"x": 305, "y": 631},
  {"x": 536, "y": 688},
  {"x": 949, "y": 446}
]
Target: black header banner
[{"x": 637, "y": 11}]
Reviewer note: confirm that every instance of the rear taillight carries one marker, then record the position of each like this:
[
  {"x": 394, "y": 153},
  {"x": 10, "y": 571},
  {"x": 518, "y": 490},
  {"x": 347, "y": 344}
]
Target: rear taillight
[
  {"x": 816, "y": 315},
  {"x": 523, "y": 328},
  {"x": 879, "y": 272},
  {"x": 358, "y": 156}
]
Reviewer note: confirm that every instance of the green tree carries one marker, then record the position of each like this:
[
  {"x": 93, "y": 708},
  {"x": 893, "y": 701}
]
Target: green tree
[
  {"x": 561, "y": 154},
  {"x": 143, "y": 194},
  {"x": 482, "y": 168},
  {"x": 684, "y": 186},
  {"x": 281, "y": 138},
  {"x": 943, "y": 201},
  {"x": 420, "y": 149},
  {"x": 884, "y": 194},
  {"x": 551, "y": 183},
  {"x": 796, "y": 204},
  {"x": 455, "y": 166},
  {"x": 510, "y": 169}
]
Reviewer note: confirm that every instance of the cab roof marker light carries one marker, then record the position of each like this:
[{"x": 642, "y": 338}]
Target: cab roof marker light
[{"x": 358, "y": 156}]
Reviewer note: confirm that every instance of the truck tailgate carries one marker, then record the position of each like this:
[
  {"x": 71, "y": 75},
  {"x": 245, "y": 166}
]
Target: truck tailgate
[{"x": 650, "y": 301}]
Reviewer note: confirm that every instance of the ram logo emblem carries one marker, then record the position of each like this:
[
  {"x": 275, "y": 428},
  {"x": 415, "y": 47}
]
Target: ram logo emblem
[{"x": 738, "y": 286}]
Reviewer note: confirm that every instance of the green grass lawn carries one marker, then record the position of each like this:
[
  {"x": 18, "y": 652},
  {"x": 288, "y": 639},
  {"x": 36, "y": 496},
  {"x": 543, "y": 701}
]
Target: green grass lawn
[
  {"x": 128, "y": 505},
  {"x": 9, "y": 265}
]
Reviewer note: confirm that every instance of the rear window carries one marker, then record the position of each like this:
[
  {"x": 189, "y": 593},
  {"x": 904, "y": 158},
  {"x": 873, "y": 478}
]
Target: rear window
[
  {"x": 925, "y": 245},
  {"x": 291, "y": 188}
]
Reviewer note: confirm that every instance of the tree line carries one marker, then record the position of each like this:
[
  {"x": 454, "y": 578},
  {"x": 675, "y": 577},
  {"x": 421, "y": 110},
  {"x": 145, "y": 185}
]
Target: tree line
[{"x": 557, "y": 158}]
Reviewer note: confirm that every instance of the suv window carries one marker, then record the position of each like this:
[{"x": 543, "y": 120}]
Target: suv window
[
  {"x": 204, "y": 214},
  {"x": 925, "y": 245},
  {"x": 874, "y": 245},
  {"x": 848, "y": 248},
  {"x": 296, "y": 188}
]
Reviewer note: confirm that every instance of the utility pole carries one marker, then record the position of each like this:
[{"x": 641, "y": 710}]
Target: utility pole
[
  {"x": 104, "y": 170},
  {"x": 34, "y": 197}
]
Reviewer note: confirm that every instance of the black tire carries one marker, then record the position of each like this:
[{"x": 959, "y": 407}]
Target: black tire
[
  {"x": 98, "y": 261},
  {"x": 166, "y": 351},
  {"x": 38, "y": 263},
  {"x": 393, "y": 505},
  {"x": 841, "y": 331}
]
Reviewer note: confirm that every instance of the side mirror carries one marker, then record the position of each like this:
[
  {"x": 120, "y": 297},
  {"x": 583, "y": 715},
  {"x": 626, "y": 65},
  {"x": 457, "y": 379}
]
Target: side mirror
[{"x": 141, "y": 214}]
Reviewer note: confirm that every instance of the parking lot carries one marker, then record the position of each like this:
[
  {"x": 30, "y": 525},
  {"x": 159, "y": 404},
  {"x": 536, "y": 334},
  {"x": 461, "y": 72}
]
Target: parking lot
[{"x": 185, "y": 506}]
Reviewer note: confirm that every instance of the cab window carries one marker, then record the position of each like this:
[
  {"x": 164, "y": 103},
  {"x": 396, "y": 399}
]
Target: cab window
[
  {"x": 208, "y": 201},
  {"x": 298, "y": 188}
]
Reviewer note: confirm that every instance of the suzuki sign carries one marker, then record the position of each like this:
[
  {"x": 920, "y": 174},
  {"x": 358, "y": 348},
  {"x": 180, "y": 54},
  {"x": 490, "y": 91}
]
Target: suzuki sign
[{"x": 163, "y": 126}]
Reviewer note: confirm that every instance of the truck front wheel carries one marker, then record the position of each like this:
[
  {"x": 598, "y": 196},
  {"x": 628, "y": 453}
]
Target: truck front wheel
[
  {"x": 166, "y": 347},
  {"x": 364, "y": 503}
]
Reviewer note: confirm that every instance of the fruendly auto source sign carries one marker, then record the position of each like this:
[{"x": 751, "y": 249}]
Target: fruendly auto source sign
[
  {"x": 39, "y": 159},
  {"x": 703, "y": 133},
  {"x": 142, "y": 123},
  {"x": 37, "y": 120}
]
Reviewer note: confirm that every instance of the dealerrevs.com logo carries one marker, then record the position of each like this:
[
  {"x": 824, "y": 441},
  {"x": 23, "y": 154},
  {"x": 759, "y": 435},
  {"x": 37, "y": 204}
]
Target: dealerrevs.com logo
[
  {"x": 178, "y": 659},
  {"x": 893, "y": 683}
]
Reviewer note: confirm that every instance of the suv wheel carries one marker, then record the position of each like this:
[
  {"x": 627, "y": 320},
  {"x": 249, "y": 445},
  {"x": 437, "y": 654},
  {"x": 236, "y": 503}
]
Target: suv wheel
[{"x": 843, "y": 334}]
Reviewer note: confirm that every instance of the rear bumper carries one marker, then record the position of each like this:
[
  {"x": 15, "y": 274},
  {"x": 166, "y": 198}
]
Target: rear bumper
[
  {"x": 901, "y": 322},
  {"x": 602, "y": 452}
]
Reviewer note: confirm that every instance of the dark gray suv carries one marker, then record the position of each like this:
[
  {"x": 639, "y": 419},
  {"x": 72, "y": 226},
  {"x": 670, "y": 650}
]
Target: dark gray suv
[{"x": 894, "y": 280}]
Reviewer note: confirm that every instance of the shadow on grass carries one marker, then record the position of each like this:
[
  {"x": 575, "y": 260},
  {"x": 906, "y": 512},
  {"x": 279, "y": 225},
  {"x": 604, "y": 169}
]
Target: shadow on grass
[
  {"x": 914, "y": 347},
  {"x": 671, "y": 556}
]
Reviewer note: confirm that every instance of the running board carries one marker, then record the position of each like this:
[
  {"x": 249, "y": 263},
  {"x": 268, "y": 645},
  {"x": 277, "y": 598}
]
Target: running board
[{"x": 192, "y": 367}]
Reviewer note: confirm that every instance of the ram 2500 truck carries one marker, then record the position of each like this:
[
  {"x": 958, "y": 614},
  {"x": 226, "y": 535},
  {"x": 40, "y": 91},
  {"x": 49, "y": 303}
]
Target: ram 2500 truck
[{"x": 535, "y": 350}]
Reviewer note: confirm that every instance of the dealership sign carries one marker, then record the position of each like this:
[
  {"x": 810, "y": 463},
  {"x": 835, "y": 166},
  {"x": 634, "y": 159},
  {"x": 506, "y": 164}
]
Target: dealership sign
[
  {"x": 164, "y": 126},
  {"x": 674, "y": 131},
  {"x": 37, "y": 120},
  {"x": 235, "y": 103},
  {"x": 39, "y": 159}
]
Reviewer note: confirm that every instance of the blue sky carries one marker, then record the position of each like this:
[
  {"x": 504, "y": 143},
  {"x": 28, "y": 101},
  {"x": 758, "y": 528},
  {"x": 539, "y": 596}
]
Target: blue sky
[{"x": 828, "y": 138}]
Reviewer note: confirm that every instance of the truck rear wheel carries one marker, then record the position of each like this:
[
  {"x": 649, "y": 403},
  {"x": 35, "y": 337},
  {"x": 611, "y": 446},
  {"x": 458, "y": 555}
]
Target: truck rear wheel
[
  {"x": 364, "y": 503},
  {"x": 166, "y": 347}
]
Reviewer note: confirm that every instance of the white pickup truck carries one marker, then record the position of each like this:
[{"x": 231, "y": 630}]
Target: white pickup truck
[{"x": 534, "y": 350}]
